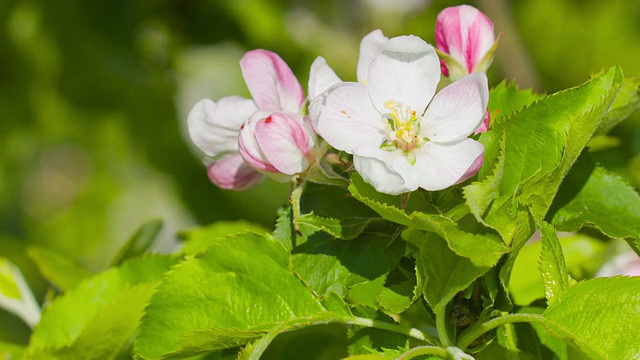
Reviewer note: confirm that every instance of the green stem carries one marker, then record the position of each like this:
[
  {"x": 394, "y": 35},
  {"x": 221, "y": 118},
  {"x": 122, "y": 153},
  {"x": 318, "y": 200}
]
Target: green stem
[
  {"x": 476, "y": 330},
  {"x": 423, "y": 350},
  {"x": 383, "y": 325},
  {"x": 441, "y": 325}
]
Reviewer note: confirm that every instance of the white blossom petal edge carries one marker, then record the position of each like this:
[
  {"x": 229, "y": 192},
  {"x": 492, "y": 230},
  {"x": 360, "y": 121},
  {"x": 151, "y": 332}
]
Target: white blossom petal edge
[{"x": 400, "y": 135}]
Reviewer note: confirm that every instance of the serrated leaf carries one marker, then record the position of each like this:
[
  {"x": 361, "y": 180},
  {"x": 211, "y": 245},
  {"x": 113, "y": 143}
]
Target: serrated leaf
[
  {"x": 398, "y": 297},
  {"x": 343, "y": 217},
  {"x": 506, "y": 98},
  {"x": 483, "y": 247},
  {"x": 444, "y": 272},
  {"x": 626, "y": 103},
  {"x": 333, "y": 265},
  {"x": 199, "y": 239},
  {"x": 593, "y": 197},
  {"x": 553, "y": 269},
  {"x": 582, "y": 255},
  {"x": 98, "y": 317},
  {"x": 139, "y": 242},
  {"x": 243, "y": 282},
  {"x": 600, "y": 317},
  {"x": 540, "y": 144},
  {"x": 60, "y": 271}
]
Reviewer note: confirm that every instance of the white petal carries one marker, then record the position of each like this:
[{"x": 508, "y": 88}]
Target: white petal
[
  {"x": 388, "y": 171},
  {"x": 214, "y": 127},
  {"x": 442, "y": 166},
  {"x": 407, "y": 70},
  {"x": 346, "y": 118},
  {"x": 321, "y": 77},
  {"x": 457, "y": 110},
  {"x": 370, "y": 47}
]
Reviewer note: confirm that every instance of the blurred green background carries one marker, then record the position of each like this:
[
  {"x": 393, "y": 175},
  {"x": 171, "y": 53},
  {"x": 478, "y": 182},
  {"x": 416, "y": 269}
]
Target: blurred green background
[{"x": 94, "y": 97}]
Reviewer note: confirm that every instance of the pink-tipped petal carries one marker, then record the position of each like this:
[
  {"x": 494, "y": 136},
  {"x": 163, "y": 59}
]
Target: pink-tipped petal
[
  {"x": 485, "y": 124},
  {"x": 232, "y": 173},
  {"x": 457, "y": 110},
  {"x": 473, "y": 169},
  {"x": 465, "y": 33},
  {"x": 285, "y": 142},
  {"x": 249, "y": 148},
  {"x": 346, "y": 118},
  {"x": 321, "y": 78},
  {"x": 271, "y": 82},
  {"x": 370, "y": 47},
  {"x": 407, "y": 70},
  {"x": 213, "y": 127},
  {"x": 443, "y": 165}
]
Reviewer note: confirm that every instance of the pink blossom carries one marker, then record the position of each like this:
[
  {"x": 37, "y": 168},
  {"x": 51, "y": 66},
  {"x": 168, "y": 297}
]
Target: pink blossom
[
  {"x": 465, "y": 40},
  {"x": 243, "y": 139}
]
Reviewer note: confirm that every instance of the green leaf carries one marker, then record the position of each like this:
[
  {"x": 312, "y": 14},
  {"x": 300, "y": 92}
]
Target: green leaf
[
  {"x": 538, "y": 146},
  {"x": 553, "y": 269},
  {"x": 593, "y": 197},
  {"x": 582, "y": 255},
  {"x": 15, "y": 294},
  {"x": 600, "y": 317},
  {"x": 506, "y": 98},
  {"x": 333, "y": 265},
  {"x": 60, "y": 271},
  {"x": 10, "y": 351},
  {"x": 444, "y": 272},
  {"x": 98, "y": 318},
  {"x": 199, "y": 239},
  {"x": 626, "y": 103},
  {"x": 139, "y": 242},
  {"x": 8, "y": 285},
  {"x": 342, "y": 217},
  {"x": 483, "y": 247},
  {"x": 243, "y": 283}
]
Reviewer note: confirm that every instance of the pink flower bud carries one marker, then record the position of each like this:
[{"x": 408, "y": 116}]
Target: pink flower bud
[
  {"x": 277, "y": 144},
  {"x": 465, "y": 40}
]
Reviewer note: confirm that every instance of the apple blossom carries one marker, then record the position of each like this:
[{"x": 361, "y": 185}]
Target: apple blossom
[
  {"x": 402, "y": 136},
  {"x": 246, "y": 138},
  {"x": 465, "y": 40}
]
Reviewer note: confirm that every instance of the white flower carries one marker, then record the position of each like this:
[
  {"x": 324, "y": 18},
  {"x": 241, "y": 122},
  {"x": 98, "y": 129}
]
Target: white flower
[{"x": 400, "y": 135}]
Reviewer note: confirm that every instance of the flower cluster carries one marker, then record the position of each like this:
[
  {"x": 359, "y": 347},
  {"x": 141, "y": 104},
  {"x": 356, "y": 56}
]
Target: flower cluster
[{"x": 401, "y": 134}]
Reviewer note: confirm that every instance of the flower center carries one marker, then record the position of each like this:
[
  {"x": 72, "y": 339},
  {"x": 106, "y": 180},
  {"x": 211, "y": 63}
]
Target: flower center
[{"x": 403, "y": 126}]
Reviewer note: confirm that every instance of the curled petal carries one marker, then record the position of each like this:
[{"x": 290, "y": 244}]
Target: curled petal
[
  {"x": 285, "y": 142},
  {"x": 232, "y": 173},
  {"x": 485, "y": 124},
  {"x": 345, "y": 117},
  {"x": 271, "y": 82},
  {"x": 407, "y": 70},
  {"x": 214, "y": 127},
  {"x": 465, "y": 33},
  {"x": 370, "y": 47},
  {"x": 444, "y": 165},
  {"x": 457, "y": 110},
  {"x": 321, "y": 78},
  {"x": 249, "y": 148}
]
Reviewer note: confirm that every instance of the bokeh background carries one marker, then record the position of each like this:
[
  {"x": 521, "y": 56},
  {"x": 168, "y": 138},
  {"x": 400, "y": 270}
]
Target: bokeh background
[{"x": 94, "y": 97}]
